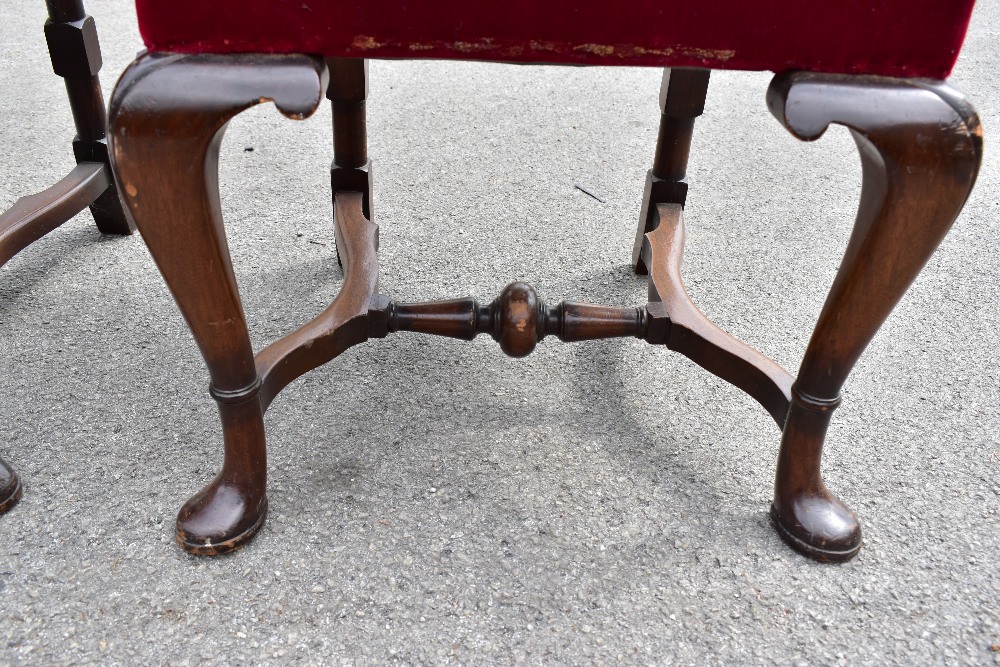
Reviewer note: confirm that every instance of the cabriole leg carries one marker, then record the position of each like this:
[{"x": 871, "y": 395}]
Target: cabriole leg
[
  {"x": 920, "y": 145},
  {"x": 168, "y": 114}
]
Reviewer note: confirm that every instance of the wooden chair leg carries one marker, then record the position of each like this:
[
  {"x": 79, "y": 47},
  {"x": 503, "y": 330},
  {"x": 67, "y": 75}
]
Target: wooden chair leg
[
  {"x": 351, "y": 170},
  {"x": 682, "y": 99},
  {"x": 76, "y": 57},
  {"x": 920, "y": 146},
  {"x": 348, "y": 95},
  {"x": 168, "y": 114},
  {"x": 10, "y": 487}
]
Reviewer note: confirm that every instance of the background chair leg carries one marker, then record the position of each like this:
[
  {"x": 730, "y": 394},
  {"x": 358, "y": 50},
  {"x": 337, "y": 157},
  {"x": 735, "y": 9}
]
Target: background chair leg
[
  {"x": 170, "y": 112},
  {"x": 682, "y": 99},
  {"x": 920, "y": 148},
  {"x": 10, "y": 487},
  {"x": 76, "y": 57}
]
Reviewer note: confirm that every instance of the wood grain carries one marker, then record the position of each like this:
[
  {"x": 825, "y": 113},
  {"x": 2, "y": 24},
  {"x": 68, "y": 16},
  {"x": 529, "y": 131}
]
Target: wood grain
[
  {"x": 171, "y": 112},
  {"x": 677, "y": 323},
  {"x": 921, "y": 145}
]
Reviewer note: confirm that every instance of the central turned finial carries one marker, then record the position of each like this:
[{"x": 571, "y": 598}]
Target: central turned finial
[{"x": 517, "y": 319}]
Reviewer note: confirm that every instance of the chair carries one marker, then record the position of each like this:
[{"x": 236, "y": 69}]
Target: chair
[
  {"x": 876, "y": 68},
  {"x": 76, "y": 57}
]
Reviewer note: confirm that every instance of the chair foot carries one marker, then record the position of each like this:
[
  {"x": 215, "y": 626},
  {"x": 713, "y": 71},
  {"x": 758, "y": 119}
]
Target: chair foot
[
  {"x": 231, "y": 509},
  {"x": 920, "y": 144},
  {"x": 177, "y": 209},
  {"x": 220, "y": 518},
  {"x": 822, "y": 528},
  {"x": 10, "y": 487}
]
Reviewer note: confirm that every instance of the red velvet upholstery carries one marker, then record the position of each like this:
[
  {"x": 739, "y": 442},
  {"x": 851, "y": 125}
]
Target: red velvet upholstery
[{"x": 892, "y": 37}]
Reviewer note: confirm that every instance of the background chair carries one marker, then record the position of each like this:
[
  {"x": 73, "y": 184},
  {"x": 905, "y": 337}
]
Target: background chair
[
  {"x": 76, "y": 57},
  {"x": 877, "y": 71}
]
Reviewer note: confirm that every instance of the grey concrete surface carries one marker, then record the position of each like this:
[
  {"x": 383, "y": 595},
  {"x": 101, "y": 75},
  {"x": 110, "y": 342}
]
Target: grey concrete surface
[{"x": 433, "y": 502}]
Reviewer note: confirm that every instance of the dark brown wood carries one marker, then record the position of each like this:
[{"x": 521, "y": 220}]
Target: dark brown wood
[
  {"x": 676, "y": 322},
  {"x": 348, "y": 95},
  {"x": 345, "y": 322},
  {"x": 517, "y": 319},
  {"x": 160, "y": 118},
  {"x": 10, "y": 487},
  {"x": 921, "y": 146},
  {"x": 76, "y": 56},
  {"x": 33, "y": 216},
  {"x": 351, "y": 170},
  {"x": 571, "y": 322},
  {"x": 682, "y": 100}
]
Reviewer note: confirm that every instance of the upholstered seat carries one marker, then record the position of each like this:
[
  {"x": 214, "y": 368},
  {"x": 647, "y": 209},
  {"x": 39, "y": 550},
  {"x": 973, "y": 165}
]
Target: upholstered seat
[
  {"x": 891, "y": 37},
  {"x": 872, "y": 66}
]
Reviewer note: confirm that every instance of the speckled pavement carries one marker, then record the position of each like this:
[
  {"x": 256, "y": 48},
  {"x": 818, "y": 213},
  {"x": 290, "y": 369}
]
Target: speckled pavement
[{"x": 434, "y": 502}]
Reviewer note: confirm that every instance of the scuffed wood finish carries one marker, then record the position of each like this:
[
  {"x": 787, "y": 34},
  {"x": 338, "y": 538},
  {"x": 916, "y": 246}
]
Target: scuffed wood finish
[
  {"x": 921, "y": 145},
  {"x": 33, "y": 216},
  {"x": 682, "y": 100},
  {"x": 517, "y": 319},
  {"x": 168, "y": 115},
  {"x": 10, "y": 487},
  {"x": 676, "y": 322},
  {"x": 345, "y": 322}
]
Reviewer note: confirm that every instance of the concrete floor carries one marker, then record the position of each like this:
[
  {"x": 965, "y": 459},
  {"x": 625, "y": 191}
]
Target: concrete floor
[{"x": 433, "y": 502}]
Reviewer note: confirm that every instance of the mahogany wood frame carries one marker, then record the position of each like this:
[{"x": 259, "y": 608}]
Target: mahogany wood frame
[
  {"x": 920, "y": 144},
  {"x": 76, "y": 57}
]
